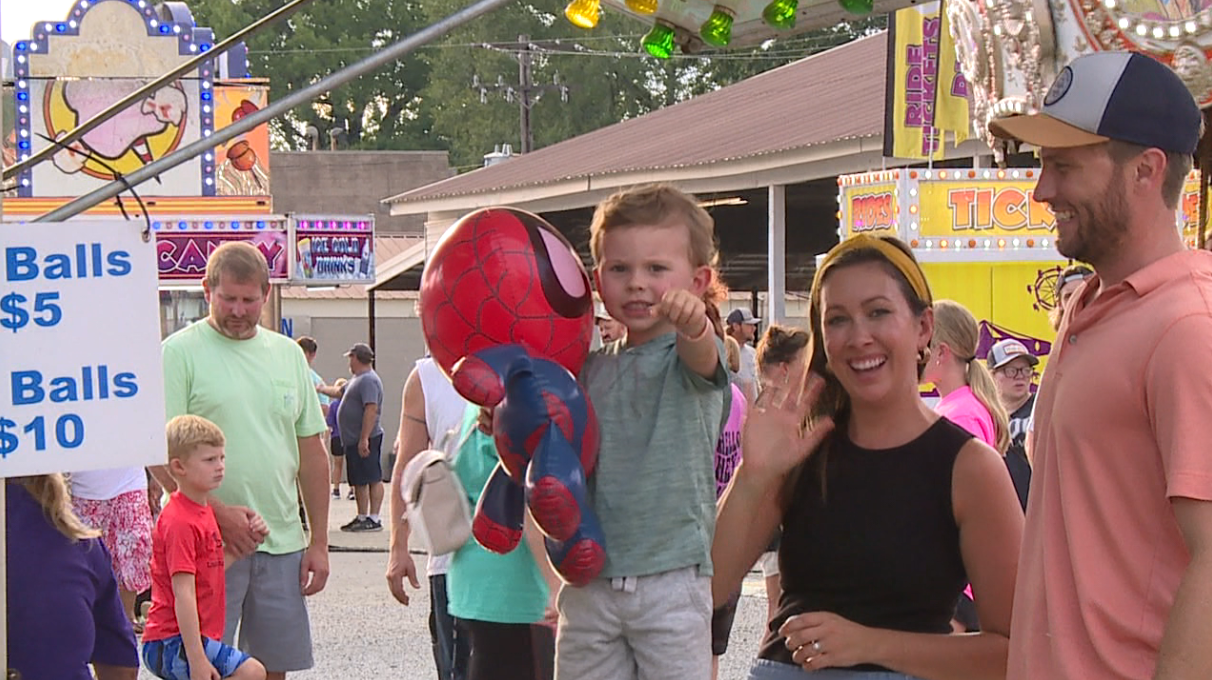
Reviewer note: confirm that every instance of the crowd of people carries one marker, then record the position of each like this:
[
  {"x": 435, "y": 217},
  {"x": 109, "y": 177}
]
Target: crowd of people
[{"x": 892, "y": 532}]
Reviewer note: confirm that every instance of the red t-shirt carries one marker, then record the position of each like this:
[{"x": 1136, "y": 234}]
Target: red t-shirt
[{"x": 186, "y": 541}]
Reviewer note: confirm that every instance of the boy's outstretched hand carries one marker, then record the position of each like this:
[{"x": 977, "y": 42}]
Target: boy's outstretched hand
[{"x": 685, "y": 310}]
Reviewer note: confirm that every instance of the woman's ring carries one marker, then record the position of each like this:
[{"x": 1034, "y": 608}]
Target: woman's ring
[{"x": 816, "y": 646}]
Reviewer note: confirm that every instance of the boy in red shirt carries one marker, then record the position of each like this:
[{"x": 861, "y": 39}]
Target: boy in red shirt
[{"x": 185, "y": 624}]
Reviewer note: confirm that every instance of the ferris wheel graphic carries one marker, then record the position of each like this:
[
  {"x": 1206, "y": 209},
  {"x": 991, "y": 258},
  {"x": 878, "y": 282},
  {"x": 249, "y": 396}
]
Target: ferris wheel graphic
[{"x": 1044, "y": 288}]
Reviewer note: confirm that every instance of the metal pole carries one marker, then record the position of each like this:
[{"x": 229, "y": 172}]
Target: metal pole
[
  {"x": 120, "y": 105},
  {"x": 190, "y": 151},
  {"x": 370, "y": 318},
  {"x": 3, "y": 532},
  {"x": 776, "y": 254}
]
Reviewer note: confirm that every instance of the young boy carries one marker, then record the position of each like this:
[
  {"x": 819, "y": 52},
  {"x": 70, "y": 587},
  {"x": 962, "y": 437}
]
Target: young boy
[
  {"x": 188, "y": 560},
  {"x": 661, "y": 395}
]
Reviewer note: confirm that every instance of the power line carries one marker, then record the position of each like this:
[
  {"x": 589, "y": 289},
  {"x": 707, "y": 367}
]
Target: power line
[
  {"x": 486, "y": 45},
  {"x": 785, "y": 49},
  {"x": 525, "y": 91}
]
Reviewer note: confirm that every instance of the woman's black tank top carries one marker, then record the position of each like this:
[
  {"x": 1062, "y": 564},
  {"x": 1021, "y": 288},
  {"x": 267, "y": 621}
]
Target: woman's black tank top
[{"x": 879, "y": 546}]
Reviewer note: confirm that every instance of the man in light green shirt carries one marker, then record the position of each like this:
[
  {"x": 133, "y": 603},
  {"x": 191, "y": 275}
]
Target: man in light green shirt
[{"x": 256, "y": 385}]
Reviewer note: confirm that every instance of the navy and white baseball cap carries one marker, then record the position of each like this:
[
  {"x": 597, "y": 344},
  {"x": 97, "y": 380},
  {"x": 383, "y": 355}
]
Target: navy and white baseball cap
[
  {"x": 1125, "y": 96},
  {"x": 1006, "y": 351}
]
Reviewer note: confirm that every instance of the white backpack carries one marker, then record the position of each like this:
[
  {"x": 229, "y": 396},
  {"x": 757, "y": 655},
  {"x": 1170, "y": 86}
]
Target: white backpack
[{"x": 436, "y": 505}]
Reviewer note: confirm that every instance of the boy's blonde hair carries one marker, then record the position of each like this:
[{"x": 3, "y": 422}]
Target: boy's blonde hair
[
  {"x": 186, "y": 433},
  {"x": 653, "y": 205}
]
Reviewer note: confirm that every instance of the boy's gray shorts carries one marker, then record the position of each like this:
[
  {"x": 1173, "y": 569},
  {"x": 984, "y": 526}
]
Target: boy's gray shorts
[{"x": 265, "y": 600}]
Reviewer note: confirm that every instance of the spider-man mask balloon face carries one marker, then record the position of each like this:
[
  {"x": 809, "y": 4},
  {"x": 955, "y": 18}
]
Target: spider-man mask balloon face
[{"x": 504, "y": 276}]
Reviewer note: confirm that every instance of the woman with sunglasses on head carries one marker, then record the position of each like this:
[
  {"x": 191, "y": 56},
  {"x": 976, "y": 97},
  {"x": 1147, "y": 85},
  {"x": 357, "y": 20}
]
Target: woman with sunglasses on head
[{"x": 887, "y": 509}]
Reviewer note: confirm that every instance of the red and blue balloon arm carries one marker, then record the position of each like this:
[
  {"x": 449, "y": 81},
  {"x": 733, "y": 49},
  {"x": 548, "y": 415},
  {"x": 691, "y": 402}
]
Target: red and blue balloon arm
[
  {"x": 581, "y": 558},
  {"x": 546, "y": 436},
  {"x": 555, "y": 486},
  {"x": 497, "y": 524}
]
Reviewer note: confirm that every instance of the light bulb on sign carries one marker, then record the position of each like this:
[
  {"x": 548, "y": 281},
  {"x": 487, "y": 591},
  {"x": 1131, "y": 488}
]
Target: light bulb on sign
[
  {"x": 717, "y": 30},
  {"x": 642, "y": 6},
  {"x": 781, "y": 13},
  {"x": 583, "y": 13},
  {"x": 659, "y": 41}
]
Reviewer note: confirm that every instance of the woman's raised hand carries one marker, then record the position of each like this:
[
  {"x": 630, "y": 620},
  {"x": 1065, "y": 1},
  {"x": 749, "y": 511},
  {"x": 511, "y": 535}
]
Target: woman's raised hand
[{"x": 776, "y": 438}]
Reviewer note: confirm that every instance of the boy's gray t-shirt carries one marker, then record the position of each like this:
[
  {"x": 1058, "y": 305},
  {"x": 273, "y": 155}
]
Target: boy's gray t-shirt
[
  {"x": 363, "y": 389},
  {"x": 654, "y": 485}
]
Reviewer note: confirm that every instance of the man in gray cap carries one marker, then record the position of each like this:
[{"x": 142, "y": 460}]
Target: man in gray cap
[
  {"x": 1013, "y": 369},
  {"x": 1116, "y": 568},
  {"x": 362, "y": 436},
  {"x": 742, "y": 327}
]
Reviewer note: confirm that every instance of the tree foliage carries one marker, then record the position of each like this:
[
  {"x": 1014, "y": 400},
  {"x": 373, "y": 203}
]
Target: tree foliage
[
  {"x": 381, "y": 110},
  {"x": 428, "y": 100}
]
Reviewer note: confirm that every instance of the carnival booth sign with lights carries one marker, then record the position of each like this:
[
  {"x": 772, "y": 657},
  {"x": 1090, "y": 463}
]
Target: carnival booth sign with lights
[
  {"x": 184, "y": 243},
  {"x": 74, "y": 66},
  {"x": 982, "y": 238}
]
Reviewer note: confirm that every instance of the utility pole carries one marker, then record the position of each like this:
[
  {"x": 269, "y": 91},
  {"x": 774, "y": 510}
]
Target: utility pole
[
  {"x": 526, "y": 92},
  {"x": 527, "y": 135}
]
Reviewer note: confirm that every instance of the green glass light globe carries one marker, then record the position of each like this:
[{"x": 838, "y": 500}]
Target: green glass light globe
[
  {"x": 857, "y": 7},
  {"x": 717, "y": 30},
  {"x": 659, "y": 41},
  {"x": 781, "y": 13}
]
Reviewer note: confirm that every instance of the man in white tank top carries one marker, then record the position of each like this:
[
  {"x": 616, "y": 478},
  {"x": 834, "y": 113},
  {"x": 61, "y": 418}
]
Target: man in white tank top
[{"x": 432, "y": 410}]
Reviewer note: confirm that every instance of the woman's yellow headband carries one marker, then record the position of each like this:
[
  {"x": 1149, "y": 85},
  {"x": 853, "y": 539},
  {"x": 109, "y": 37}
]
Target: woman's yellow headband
[{"x": 894, "y": 255}]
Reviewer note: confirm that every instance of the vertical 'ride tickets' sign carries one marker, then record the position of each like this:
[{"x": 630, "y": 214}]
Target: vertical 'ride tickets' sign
[
  {"x": 81, "y": 379},
  {"x": 927, "y": 95}
]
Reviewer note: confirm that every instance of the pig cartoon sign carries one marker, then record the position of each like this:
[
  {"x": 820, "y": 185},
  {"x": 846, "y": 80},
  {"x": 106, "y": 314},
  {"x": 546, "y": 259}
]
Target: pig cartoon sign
[
  {"x": 71, "y": 70},
  {"x": 150, "y": 129}
]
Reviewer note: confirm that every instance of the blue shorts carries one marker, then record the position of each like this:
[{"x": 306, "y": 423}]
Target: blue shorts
[
  {"x": 166, "y": 658},
  {"x": 764, "y": 669},
  {"x": 365, "y": 471}
]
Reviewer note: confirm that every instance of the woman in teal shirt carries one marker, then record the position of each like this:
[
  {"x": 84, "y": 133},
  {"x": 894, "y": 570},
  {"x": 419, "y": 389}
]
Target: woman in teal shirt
[{"x": 496, "y": 598}]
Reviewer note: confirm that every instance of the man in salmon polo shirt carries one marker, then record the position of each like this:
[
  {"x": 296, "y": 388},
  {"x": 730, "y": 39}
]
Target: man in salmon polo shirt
[{"x": 1115, "y": 575}]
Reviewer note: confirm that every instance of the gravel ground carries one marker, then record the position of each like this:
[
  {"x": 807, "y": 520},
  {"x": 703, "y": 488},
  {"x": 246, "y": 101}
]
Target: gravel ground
[{"x": 360, "y": 632}]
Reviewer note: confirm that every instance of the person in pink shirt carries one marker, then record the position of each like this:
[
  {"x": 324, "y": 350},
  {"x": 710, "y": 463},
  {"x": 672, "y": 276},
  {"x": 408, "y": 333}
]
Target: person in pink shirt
[
  {"x": 969, "y": 395},
  {"x": 969, "y": 399},
  {"x": 1115, "y": 573}
]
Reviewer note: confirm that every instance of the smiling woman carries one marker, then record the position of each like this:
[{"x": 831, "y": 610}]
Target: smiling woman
[{"x": 873, "y": 491}]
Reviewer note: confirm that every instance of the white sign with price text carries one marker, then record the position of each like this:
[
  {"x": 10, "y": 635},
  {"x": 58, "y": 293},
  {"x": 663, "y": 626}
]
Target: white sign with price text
[{"x": 81, "y": 378}]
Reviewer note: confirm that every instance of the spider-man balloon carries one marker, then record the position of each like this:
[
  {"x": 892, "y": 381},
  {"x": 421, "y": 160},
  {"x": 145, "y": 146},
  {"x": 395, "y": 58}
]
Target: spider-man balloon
[
  {"x": 506, "y": 310},
  {"x": 503, "y": 276}
]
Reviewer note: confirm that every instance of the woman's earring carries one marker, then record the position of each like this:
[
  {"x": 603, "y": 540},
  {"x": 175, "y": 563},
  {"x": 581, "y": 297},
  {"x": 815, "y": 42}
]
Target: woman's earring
[{"x": 923, "y": 355}]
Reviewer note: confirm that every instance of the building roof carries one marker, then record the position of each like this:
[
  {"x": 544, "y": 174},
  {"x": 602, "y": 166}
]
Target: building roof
[
  {"x": 386, "y": 248},
  {"x": 827, "y": 97}
]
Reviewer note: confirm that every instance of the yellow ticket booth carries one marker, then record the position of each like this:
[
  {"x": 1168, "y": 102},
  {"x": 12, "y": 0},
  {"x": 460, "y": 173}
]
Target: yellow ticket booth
[{"x": 982, "y": 239}]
